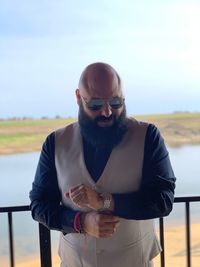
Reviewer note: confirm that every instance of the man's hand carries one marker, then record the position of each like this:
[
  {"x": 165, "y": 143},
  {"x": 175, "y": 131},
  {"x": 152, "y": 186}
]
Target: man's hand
[
  {"x": 84, "y": 196},
  {"x": 99, "y": 224}
]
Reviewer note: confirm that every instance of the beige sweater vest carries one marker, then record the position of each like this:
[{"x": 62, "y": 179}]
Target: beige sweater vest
[{"x": 134, "y": 242}]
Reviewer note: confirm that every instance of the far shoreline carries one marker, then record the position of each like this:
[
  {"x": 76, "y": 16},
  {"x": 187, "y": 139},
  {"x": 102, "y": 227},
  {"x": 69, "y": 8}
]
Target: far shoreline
[
  {"x": 28, "y": 135},
  {"x": 25, "y": 150}
]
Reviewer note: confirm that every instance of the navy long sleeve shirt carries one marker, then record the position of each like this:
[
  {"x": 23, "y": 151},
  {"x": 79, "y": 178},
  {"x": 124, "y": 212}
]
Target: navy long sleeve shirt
[{"x": 154, "y": 199}]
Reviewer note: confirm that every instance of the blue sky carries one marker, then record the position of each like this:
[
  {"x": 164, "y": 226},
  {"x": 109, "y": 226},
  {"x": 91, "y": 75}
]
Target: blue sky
[{"x": 45, "y": 45}]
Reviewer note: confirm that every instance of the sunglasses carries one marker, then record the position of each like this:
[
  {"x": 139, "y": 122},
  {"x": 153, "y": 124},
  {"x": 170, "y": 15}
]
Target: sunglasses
[{"x": 98, "y": 103}]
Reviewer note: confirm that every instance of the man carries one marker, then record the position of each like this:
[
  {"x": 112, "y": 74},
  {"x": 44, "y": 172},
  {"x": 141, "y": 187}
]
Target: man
[{"x": 101, "y": 181}]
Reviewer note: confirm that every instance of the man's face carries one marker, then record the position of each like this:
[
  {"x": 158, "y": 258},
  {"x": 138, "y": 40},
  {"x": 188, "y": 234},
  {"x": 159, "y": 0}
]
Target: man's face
[
  {"x": 104, "y": 112},
  {"x": 102, "y": 101}
]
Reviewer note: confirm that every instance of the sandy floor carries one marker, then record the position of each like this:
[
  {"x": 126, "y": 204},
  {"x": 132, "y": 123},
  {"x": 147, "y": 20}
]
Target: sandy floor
[
  {"x": 175, "y": 247},
  {"x": 175, "y": 250}
]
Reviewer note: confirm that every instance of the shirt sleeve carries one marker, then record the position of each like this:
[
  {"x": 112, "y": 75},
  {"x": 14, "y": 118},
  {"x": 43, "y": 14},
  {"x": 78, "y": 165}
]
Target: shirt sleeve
[
  {"x": 155, "y": 197},
  {"x": 45, "y": 196}
]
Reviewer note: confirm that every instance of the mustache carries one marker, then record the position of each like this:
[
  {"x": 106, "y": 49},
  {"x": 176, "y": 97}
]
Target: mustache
[{"x": 103, "y": 118}]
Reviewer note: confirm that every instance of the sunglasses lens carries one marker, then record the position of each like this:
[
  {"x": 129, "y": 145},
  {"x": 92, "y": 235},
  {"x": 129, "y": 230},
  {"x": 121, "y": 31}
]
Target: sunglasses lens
[
  {"x": 95, "y": 104},
  {"x": 116, "y": 102}
]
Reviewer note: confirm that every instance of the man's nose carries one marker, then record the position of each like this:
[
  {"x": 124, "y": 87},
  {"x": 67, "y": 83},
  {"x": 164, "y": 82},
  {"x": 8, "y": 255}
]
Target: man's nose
[{"x": 106, "y": 110}]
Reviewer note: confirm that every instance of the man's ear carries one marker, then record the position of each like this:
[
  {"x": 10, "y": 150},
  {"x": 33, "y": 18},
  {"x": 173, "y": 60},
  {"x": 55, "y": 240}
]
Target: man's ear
[{"x": 78, "y": 96}]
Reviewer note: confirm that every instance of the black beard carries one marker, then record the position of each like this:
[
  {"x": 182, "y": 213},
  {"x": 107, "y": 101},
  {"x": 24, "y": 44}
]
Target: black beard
[{"x": 102, "y": 137}]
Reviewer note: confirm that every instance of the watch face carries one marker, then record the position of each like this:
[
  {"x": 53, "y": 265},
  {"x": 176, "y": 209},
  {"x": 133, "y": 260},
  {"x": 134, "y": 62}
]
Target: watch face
[
  {"x": 107, "y": 198},
  {"x": 107, "y": 203}
]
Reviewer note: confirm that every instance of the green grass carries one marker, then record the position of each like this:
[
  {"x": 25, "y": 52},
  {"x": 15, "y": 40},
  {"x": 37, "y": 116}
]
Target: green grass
[
  {"x": 170, "y": 116},
  {"x": 28, "y": 135},
  {"x": 16, "y": 138},
  {"x": 30, "y": 123}
]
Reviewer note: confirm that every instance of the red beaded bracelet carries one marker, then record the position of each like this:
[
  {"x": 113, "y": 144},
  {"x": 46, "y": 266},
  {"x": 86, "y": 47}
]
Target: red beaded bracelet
[{"x": 76, "y": 222}]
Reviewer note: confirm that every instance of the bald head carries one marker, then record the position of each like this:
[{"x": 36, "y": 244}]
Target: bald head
[
  {"x": 100, "y": 96},
  {"x": 99, "y": 78}
]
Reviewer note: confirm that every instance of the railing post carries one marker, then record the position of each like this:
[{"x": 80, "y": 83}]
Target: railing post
[
  {"x": 10, "y": 229},
  {"x": 187, "y": 213},
  {"x": 162, "y": 242},
  {"x": 45, "y": 246}
]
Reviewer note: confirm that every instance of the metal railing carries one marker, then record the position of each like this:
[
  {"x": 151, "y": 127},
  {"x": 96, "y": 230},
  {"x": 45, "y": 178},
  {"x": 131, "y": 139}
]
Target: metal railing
[
  {"x": 44, "y": 237},
  {"x": 45, "y": 234},
  {"x": 187, "y": 201}
]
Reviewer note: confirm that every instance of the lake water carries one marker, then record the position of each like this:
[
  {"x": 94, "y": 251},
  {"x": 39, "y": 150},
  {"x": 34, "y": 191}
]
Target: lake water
[{"x": 17, "y": 173}]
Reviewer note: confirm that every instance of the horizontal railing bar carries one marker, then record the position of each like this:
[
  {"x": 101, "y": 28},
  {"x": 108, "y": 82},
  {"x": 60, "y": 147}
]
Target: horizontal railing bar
[
  {"x": 14, "y": 208},
  {"x": 27, "y": 207},
  {"x": 187, "y": 199}
]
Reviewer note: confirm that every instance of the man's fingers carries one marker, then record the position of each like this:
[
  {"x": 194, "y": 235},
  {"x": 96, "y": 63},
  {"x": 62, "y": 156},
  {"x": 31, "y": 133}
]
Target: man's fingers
[
  {"x": 107, "y": 230},
  {"x": 78, "y": 196},
  {"x": 110, "y": 228},
  {"x": 72, "y": 196},
  {"x": 77, "y": 188},
  {"x": 107, "y": 224},
  {"x": 105, "y": 218}
]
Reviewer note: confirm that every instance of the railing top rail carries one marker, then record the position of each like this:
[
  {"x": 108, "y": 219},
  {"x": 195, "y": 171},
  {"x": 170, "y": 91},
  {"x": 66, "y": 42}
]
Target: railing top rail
[
  {"x": 15, "y": 208},
  {"x": 187, "y": 199},
  {"x": 27, "y": 207}
]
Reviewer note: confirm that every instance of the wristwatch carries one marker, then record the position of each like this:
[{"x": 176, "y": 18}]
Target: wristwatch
[{"x": 107, "y": 199}]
